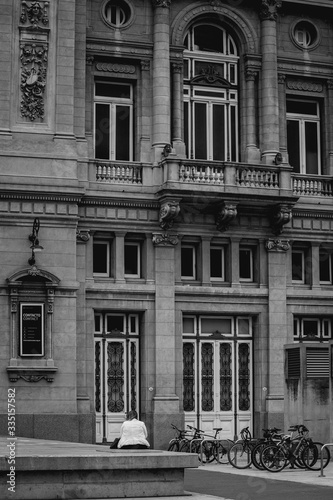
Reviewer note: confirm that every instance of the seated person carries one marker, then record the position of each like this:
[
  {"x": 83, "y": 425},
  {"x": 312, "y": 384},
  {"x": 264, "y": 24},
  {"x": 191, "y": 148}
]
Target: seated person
[{"x": 133, "y": 433}]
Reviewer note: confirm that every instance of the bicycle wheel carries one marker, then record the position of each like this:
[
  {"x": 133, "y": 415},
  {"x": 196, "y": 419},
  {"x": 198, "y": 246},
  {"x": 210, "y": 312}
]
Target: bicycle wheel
[
  {"x": 239, "y": 456},
  {"x": 173, "y": 445},
  {"x": 221, "y": 454},
  {"x": 312, "y": 456},
  {"x": 273, "y": 459},
  {"x": 185, "y": 447},
  {"x": 256, "y": 455},
  {"x": 206, "y": 452}
]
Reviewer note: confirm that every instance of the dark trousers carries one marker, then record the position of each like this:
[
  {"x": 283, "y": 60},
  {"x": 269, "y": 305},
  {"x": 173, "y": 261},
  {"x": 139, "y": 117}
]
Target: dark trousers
[{"x": 134, "y": 447}]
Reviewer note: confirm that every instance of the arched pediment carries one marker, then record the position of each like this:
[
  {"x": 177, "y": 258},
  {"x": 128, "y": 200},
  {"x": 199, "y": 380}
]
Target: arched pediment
[{"x": 32, "y": 273}]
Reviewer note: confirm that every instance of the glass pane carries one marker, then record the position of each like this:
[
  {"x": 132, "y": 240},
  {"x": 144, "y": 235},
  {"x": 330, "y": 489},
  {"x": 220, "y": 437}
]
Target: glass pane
[
  {"x": 244, "y": 377},
  {"x": 207, "y": 371},
  {"x": 311, "y": 147},
  {"x": 302, "y": 107},
  {"x": 208, "y": 38},
  {"x": 102, "y": 131},
  {"x": 212, "y": 325},
  {"x": 243, "y": 326},
  {"x": 187, "y": 262},
  {"x": 218, "y": 132},
  {"x": 293, "y": 144},
  {"x": 188, "y": 325},
  {"x": 188, "y": 376},
  {"x": 97, "y": 323},
  {"x": 325, "y": 266},
  {"x": 200, "y": 131},
  {"x": 297, "y": 266},
  {"x": 245, "y": 263},
  {"x": 123, "y": 133},
  {"x": 116, "y": 377},
  {"x": 114, "y": 322},
  {"x": 100, "y": 258},
  {"x": 216, "y": 263},
  {"x": 225, "y": 377},
  {"x": 131, "y": 260},
  {"x": 104, "y": 89},
  {"x": 233, "y": 134},
  {"x": 310, "y": 328},
  {"x": 186, "y": 137}
]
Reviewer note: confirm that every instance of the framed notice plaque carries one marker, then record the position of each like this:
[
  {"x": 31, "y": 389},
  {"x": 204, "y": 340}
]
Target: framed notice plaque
[{"x": 31, "y": 329}]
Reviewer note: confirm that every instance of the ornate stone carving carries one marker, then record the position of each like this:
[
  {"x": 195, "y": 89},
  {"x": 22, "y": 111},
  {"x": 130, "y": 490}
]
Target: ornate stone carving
[
  {"x": 161, "y": 3},
  {"x": 31, "y": 374},
  {"x": 82, "y": 235},
  {"x": 280, "y": 216},
  {"x": 250, "y": 75},
  {"x": 225, "y": 216},
  {"x": 168, "y": 212},
  {"x": 165, "y": 239},
  {"x": 34, "y": 271},
  {"x": 277, "y": 245},
  {"x": 304, "y": 85},
  {"x": 35, "y": 12},
  {"x": 115, "y": 68},
  {"x": 145, "y": 65},
  {"x": 177, "y": 67},
  {"x": 33, "y": 57},
  {"x": 269, "y": 9}
]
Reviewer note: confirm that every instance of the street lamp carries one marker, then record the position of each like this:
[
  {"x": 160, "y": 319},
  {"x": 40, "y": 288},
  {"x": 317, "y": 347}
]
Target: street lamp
[{"x": 35, "y": 246}]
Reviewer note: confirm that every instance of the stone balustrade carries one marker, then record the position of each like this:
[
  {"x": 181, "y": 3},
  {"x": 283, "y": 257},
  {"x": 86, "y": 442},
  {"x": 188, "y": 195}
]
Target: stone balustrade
[{"x": 304, "y": 185}]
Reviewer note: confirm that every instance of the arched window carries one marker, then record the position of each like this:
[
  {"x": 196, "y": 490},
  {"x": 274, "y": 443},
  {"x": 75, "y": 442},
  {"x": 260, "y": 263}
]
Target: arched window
[{"x": 210, "y": 94}]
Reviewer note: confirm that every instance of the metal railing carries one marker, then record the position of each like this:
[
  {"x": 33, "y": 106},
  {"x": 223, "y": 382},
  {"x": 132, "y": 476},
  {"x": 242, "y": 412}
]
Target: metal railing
[{"x": 322, "y": 459}]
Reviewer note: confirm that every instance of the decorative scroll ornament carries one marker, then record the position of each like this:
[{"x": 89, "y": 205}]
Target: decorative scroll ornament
[
  {"x": 168, "y": 212},
  {"x": 165, "y": 239},
  {"x": 281, "y": 216},
  {"x": 269, "y": 9},
  {"x": 82, "y": 235},
  {"x": 161, "y": 3},
  {"x": 277, "y": 245},
  {"x": 225, "y": 216}
]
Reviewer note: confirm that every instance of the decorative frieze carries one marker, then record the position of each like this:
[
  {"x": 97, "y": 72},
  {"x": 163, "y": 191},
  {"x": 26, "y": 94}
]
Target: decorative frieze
[
  {"x": 34, "y": 37},
  {"x": 277, "y": 245},
  {"x": 115, "y": 68},
  {"x": 165, "y": 239},
  {"x": 306, "y": 86}
]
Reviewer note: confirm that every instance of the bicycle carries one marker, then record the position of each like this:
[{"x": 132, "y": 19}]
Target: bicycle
[
  {"x": 290, "y": 449},
  {"x": 176, "y": 442},
  {"x": 270, "y": 437},
  {"x": 239, "y": 454},
  {"x": 311, "y": 456},
  {"x": 207, "y": 450}
]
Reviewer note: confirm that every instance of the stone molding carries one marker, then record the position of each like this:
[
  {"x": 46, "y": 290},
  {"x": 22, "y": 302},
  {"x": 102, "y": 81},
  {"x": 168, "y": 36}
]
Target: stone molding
[
  {"x": 269, "y": 10},
  {"x": 306, "y": 86},
  {"x": 115, "y": 68},
  {"x": 165, "y": 239},
  {"x": 31, "y": 374},
  {"x": 277, "y": 245}
]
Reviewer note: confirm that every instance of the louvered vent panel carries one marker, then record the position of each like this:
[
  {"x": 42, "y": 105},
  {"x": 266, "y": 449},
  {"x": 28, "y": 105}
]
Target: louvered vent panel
[
  {"x": 317, "y": 363},
  {"x": 294, "y": 363}
]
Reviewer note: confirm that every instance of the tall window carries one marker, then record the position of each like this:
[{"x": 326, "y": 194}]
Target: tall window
[
  {"x": 210, "y": 94},
  {"x": 303, "y": 135},
  {"x": 113, "y": 121}
]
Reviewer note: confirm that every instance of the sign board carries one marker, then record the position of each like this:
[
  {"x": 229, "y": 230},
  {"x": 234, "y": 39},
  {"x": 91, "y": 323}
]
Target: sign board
[{"x": 31, "y": 329}]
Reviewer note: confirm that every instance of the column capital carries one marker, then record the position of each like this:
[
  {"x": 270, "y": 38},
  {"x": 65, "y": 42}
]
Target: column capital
[
  {"x": 281, "y": 78},
  {"x": 250, "y": 75},
  {"x": 330, "y": 84},
  {"x": 177, "y": 67},
  {"x": 165, "y": 239},
  {"x": 161, "y": 3},
  {"x": 268, "y": 10},
  {"x": 145, "y": 65}
]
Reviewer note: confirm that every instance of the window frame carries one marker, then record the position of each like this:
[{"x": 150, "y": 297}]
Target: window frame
[
  {"x": 324, "y": 328},
  {"x": 301, "y": 251},
  {"x": 222, "y": 250},
  {"x": 302, "y": 119},
  {"x": 138, "y": 259},
  {"x": 193, "y": 276},
  {"x": 107, "y": 243},
  {"x": 330, "y": 268},
  {"x": 251, "y": 263},
  {"x": 113, "y": 103}
]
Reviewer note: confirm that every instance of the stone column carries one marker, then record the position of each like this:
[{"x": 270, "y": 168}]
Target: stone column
[
  {"x": 165, "y": 400},
  {"x": 161, "y": 78},
  {"x": 277, "y": 329},
  {"x": 269, "y": 87},
  {"x": 205, "y": 261},
  {"x": 252, "y": 152},
  {"x": 145, "y": 111},
  {"x": 234, "y": 259},
  {"x": 314, "y": 262},
  {"x": 283, "y": 118},
  {"x": 330, "y": 127},
  {"x": 177, "y": 109},
  {"x": 119, "y": 253}
]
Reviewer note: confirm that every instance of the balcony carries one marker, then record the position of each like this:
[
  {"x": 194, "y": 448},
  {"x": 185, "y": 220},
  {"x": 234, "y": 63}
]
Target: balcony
[{"x": 262, "y": 185}]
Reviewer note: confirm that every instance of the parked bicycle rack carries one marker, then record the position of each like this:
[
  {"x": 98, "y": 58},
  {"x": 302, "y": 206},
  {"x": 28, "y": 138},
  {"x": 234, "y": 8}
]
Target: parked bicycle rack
[
  {"x": 203, "y": 441},
  {"x": 321, "y": 459}
]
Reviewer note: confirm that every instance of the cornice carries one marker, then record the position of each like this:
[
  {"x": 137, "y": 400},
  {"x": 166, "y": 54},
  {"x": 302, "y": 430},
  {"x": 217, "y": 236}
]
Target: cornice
[
  {"x": 119, "y": 203},
  {"x": 130, "y": 48},
  {"x": 312, "y": 215},
  {"x": 70, "y": 198}
]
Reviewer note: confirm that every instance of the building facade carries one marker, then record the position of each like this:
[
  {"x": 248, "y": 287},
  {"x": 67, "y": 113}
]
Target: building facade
[{"x": 166, "y": 215}]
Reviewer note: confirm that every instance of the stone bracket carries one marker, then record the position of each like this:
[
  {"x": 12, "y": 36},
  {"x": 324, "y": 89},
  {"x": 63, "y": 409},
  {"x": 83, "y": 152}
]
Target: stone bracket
[
  {"x": 31, "y": 374},
  {"x": 165, "y": 239},
  {"x": 168, "y": 212},
  {"x": 226, "y": 214},
  {"x": 280, "y": 216}
]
